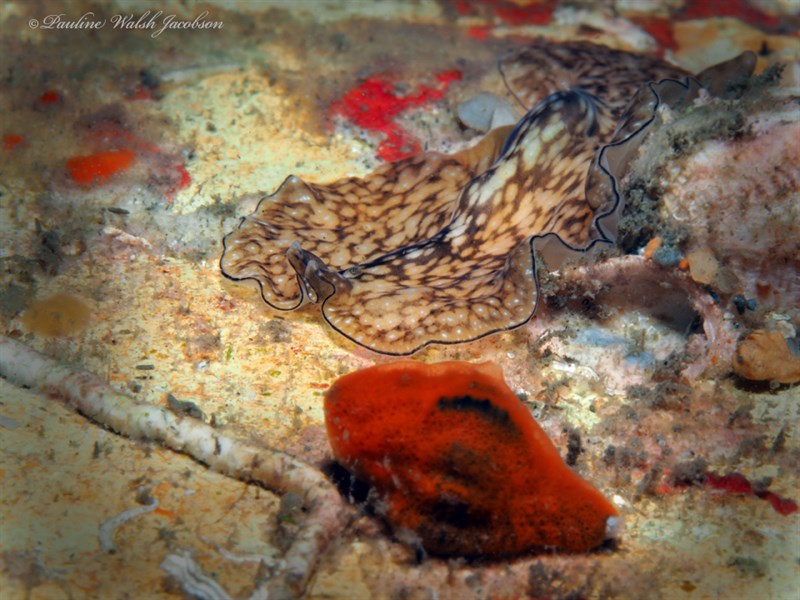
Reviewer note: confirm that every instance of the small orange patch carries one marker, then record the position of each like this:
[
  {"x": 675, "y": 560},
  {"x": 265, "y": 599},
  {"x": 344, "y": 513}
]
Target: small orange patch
[
  {"x": 652, "y": 246},
  {"x": 170, "y": 514},
  {"x": 457, "y": 459}
]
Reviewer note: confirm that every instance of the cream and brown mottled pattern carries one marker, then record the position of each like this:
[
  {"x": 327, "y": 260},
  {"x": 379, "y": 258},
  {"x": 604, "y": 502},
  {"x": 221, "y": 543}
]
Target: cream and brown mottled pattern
[
  {"x": 441, "y": 249},
  {"x": 351, "y": 220},
  {"x": 610, "y": 77}
]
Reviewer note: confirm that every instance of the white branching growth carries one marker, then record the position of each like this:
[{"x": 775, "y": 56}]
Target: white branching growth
[{"x": 275, "y": 470}]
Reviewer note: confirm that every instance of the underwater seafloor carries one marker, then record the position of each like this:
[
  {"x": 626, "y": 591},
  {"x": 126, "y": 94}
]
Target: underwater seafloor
[{"x": 129, "y": 153}]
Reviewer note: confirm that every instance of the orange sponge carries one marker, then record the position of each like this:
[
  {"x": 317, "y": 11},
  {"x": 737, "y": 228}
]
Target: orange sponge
[{"x": 458, "y": 461}]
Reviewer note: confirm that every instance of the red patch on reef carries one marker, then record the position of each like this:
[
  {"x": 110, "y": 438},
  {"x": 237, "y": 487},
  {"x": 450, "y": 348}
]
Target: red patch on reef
[
  {"x": 739, "y": 9},
  {"x": 141, "y": 93},
  {"x": 732, "y": 482},
  {"x": 49, "y": 97},
  {"x": 183, "y": 179},
  {"x": 463, "y": 7},
  {"x": 480, "y": 33},
  {"x": 505, "y": 12},
  {"x": 536, "y": 13},
  {"x": 783, "y": 506},
  {"x": 736, "y": 483},
  {"x": 100, "y": 166},
  {"x": 11, "y": 141},
  {"x": 458, "y": 460},
  {"x": 375, "y": 103},
  {"x": 660, "y": 28},
  {"x": 510, "y": 12},
  {"x": 448, "y": 77}
]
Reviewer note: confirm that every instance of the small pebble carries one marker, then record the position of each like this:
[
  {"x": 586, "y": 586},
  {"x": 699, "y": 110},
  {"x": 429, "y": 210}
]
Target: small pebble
[
  {"x": 485, "y": 112},
  {"x": 667, "y": 256}
]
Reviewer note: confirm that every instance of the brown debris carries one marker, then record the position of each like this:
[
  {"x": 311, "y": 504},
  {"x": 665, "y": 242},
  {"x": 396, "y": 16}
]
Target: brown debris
[
  {"x": 58, "y": 315},
  {"x": 765, "y": 356},
  {"x": 703, "y": 265}
]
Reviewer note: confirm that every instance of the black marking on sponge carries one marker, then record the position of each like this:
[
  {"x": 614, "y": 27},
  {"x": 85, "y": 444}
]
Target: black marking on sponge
[{"x": 482, "y": 407}]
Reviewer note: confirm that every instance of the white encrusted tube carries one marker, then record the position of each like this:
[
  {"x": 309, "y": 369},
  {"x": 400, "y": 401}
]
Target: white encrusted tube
[
  {"x": 106, "y": 534},
  {"x": 194, "y": 582},
  {"x": 275, "y": 470}
]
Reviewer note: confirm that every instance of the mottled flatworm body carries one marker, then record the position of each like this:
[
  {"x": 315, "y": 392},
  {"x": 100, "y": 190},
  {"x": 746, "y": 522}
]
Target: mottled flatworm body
[{"x": 443, "y": 248}]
